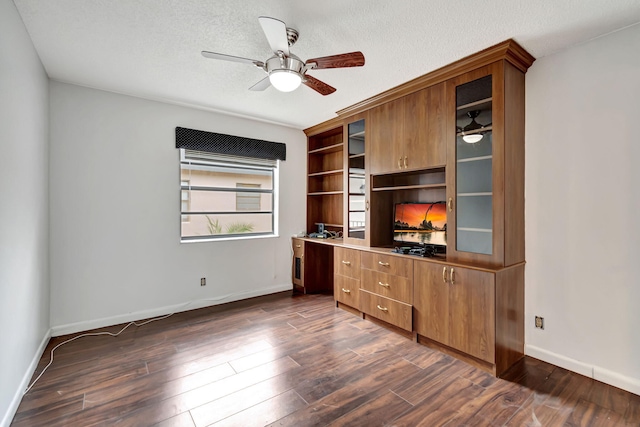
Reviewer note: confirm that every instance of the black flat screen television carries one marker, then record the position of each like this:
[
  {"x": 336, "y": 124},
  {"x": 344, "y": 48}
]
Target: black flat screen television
[{"x": 418, "y": 223}]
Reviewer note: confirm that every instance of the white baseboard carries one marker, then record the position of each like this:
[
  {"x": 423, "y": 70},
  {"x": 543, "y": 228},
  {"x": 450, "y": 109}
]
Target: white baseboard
[
  {"x": 615, "y": 379},
  {"x": 72, "y": 328},
  {"x": 17, "y": 398}
]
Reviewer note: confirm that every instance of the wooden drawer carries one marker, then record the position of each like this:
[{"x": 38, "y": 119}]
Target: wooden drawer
[
  {"x": 387, "y": 285},
  {"x": 298, "y": 247},
  {"x": 347, "y": 262},
  {"x": 391, "y": 311},
  {"x": 346, "y": 290},
  {"x": 388, "y": 264}
]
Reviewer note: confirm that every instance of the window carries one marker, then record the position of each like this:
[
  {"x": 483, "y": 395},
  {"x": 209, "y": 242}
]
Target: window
[
  {"x": 226, "y": 196},
  {"x": 246, "y": 201},
  {"x": 184, "y": 200}
]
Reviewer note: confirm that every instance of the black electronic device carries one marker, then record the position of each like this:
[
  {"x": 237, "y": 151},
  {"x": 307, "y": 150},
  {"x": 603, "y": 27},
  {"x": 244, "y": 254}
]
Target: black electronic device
[{"x": 421, "y": 250}]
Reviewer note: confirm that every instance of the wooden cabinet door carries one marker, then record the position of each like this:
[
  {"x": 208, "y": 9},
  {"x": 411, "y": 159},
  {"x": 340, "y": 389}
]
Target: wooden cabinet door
[
  {"x": 431, "y": 301},
  {"x": 425, "y": 128},
  {"x": 387, "y": 152},
  {"x": 472, "y": 312},
  {"x": 297, "y": 267}
]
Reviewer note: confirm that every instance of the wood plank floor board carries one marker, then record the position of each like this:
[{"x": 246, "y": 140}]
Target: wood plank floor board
[
  {"x": 68, "y": 385},
  {"x": 375, "y": 412},
  {"x": 441, "y": 403},
  {"x": 493, "y": 407},
  {"x": 415, "y": 390},
  {"x": 284, "y": 360},
  {"x": 266, "y": 412},
  {"x": 350, "y": 395},
  {"x": 182, "y": 420}
]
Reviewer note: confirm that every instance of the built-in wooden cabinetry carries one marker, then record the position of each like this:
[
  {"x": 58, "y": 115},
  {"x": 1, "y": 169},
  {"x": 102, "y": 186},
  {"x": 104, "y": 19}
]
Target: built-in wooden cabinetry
[
  {"x": 312, "y": 276},
  {"x": 453, "y": 135},
  {"x": 346, "y": 279},
  {"x": 485, "y": 179},
  {"x": 325, "y": 180},
  {"x": 387, "y": 288},
  {"x": 409, "y": 133},
  {"x": 356, "y": 180}
]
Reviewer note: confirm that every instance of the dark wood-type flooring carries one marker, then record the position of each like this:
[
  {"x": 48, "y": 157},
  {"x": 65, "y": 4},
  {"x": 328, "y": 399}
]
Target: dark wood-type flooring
[{"x": 299, "y": 361}]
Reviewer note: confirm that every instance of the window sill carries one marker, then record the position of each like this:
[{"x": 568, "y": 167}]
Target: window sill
[{"x": 223, "y": 239}]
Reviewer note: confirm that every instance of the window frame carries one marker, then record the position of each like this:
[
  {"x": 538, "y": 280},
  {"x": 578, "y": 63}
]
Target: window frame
[{"x": 213, "y": 160}]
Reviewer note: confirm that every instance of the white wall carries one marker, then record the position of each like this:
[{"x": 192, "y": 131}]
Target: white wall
[
  {"x": 115, "y": 223},
  {"x": 582, "y": 207},
  {"x": 24, "y": 229}
]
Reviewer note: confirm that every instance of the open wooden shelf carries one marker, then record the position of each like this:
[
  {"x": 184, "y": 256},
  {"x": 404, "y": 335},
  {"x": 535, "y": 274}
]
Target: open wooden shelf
[
  {"x": 328, "y": 149},
  {"x": 411, "y": 187},
  {"x": 324, "y": 173},
  {"x": 325, "y": 193}
]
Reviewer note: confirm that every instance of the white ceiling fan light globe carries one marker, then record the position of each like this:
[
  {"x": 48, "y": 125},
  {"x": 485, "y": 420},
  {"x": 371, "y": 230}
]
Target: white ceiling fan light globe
[
  {"x": 285, "y": 80},
  {"x": 472, "y": 139}
]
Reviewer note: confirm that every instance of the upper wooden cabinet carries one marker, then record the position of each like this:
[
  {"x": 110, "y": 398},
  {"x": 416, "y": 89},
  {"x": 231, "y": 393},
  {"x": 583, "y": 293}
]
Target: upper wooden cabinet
[
  {"x": 485, "y": 166},
  {"x": 424, "y": 128},
  {"x": 385, "y": 141},
  {"x": 409, "y": 133}
]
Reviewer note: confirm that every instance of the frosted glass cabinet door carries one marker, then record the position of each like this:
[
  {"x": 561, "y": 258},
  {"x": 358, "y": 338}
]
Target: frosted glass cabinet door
[{"x": 474, "y": 167}]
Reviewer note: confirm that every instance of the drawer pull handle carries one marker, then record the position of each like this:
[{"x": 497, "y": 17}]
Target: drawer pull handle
[
  {"x": 382, "y": 308},
  {"x": 298, "y": 246},
  {"x": 384, "y": 264},
  {"x": 451, "y": 276},
  {"x": 450, "y": 204},
  {"x": 405, "y": 162},
  {"x": 384, "y": 285},
  {"x": 400, "y": 163},
  {"x": 346, "y": 291},
  {"x": 444, "y": 274},
  {"x": 346, "y": 262}
]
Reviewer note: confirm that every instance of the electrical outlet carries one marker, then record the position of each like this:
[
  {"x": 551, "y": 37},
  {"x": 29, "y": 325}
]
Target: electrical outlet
[
  {"x": 539, "y": 322},
  {"x": 203, "y": 281}
]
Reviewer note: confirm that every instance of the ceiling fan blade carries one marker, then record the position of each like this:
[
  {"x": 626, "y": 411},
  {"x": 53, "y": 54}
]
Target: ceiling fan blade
[
  {"x": 231, "y": 58},
  {"x": 276, "y": 32},
  {"x": 352, "y": 59},
  {"x": 321, "y": 87},
  {"x": 261, "y": 85}
]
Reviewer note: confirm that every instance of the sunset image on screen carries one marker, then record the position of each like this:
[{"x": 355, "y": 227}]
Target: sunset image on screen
[{"x": 412, "y": 216}]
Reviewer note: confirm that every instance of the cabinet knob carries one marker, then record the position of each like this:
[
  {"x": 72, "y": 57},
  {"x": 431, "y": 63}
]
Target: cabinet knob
[
  {"x": 346, "y": 262},
  {"x": 346, "y": 291},
  {"x": 384, "y": 285},
  {"x": 298, "y": 246},
  {"x": 382, "y": 308},
  {"x": 384, "y": 264},
  {"x": 444, "y": 274}
]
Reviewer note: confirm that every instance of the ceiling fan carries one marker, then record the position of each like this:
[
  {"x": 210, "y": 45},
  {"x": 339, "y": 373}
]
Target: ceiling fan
[{"x": 285, "y": 71}]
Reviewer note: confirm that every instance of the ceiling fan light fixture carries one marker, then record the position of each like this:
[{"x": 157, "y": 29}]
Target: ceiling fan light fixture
[
  {"x": 473, "y": 138},
  {"x": 473, "y": 126},
  {"x": 285, "y": 80}
]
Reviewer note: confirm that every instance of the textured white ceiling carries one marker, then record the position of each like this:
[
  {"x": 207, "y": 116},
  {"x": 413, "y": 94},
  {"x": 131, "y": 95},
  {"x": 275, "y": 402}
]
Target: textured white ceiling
[{"x": 151, "y": 48}]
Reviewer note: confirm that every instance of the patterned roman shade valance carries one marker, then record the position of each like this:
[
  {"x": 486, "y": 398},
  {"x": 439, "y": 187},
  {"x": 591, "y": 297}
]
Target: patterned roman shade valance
[{"x": 219, "y": 143}]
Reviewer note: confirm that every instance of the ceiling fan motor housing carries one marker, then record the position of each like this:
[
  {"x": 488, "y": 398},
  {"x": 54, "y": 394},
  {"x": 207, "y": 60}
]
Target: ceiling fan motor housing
[{"x": 290, "y": 63}]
